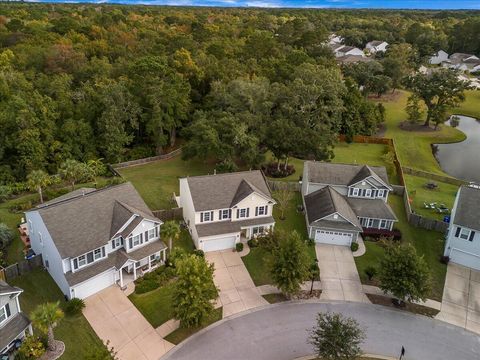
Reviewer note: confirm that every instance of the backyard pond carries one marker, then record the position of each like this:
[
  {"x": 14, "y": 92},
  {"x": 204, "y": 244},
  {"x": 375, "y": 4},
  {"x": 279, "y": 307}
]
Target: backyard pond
[{"x": 462, "y": 159}]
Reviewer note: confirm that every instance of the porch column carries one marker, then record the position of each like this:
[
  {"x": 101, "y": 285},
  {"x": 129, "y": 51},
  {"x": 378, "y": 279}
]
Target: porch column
[
  {"x": 135, "y": 271},
  {"x": 149, "y": 262},
  {"x": 121, "y": 277}
]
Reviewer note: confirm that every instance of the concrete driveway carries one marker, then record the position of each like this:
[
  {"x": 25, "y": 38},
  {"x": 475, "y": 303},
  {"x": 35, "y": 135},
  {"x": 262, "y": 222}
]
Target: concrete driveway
[
  {"x": 114, "y": 318},
  {"x": 237, "y": 290},
  {"x": 338, "y": 274},
  {"x": 461, "y": 298}
]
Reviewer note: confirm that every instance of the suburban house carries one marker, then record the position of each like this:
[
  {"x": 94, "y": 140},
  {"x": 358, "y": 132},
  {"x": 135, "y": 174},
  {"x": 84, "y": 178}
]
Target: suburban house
[
  {"x": 343, "y": 50},
  {"x": 376, "y": 46},
  {"x": 462, "y": 62},
  {"x": 222, "y": 210},
  {"x": 342, "y": 201},
  {"x": 91, "y": 239},
  {"x": 438, "y": 57},
  {"x": 352, "y": 59},
  {"x": 14, "y": 324},
  {"x": 463, "y": 237},
  {"x": 335, "y": 39}
]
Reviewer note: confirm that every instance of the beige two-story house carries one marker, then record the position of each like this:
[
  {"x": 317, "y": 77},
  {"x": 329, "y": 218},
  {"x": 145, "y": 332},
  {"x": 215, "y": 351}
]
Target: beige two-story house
[{"x": 220, "y": 210}]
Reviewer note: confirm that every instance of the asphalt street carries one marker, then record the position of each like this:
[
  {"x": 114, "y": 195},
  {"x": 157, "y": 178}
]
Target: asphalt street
[{"x": 279, "y": 332}]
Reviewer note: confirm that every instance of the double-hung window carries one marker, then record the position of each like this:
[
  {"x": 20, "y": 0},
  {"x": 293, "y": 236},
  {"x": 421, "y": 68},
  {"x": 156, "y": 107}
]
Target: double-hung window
[
  {"x": 206, "y": 216},
  {"x": 465, "y": 234},
  {"x": 242, "y": 213},
  {"x": 355, "y": 191},
  {"x": 224, "y": 214},
  {"x": 97, "y": 254},
  {"x": 136, "y": 240},
  {"x": 117, "y": 242},
  {"x": 260, "y": 210},
  {"x": 82, "y": 260},
  {"x": 383, "y": 224},
  {"x": 4, "y": 313},
  {"x": 152, "y": 233},
  {"x": 380, "y": 193},
  {"x": 368, "y": 192}
]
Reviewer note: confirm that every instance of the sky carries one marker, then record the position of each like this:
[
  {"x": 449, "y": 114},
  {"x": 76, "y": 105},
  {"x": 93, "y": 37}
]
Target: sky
[{"x": 385, "y": 4}]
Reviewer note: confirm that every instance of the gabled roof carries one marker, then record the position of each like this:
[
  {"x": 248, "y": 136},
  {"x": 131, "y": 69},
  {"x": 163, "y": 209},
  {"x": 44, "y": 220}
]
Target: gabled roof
[
  {"x": 83, "y": 223},
  {"x": 342, "y": 174},
  {"x": 376, "y": 42},
  {"x": 8, "y": 289},
  {"x": 327, "y": 201},
  {"x": 468, "y": 208},
  {"x": 222, "y": 191},
  {"x": 462, "y": 56},
  {"x": 364, "y": 173}
]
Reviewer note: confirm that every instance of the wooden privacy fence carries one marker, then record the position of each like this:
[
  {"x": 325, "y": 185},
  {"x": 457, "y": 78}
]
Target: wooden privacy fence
[
  {"x": 169, "y": 214},
  {"x": 22, "y": 267},
  {"x": 147, "y": 159},
  {"x": 437, "y": 177}
]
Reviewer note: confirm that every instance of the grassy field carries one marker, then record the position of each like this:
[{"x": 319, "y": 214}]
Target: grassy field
[
  {"x": 414, "y": 147},
  {"x": 428, "y": 244},
  {"x": 181, "y": 333},
  {"x": 471, "y": 106},
  {"x": 74, "y": 331},
  {"x": 444, "y": 194}
]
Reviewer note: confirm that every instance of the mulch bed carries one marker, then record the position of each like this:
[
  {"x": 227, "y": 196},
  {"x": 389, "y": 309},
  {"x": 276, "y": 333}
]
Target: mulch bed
[
  {"x": 413, "y": 308},
  {"x": 405, "y": 125},
  {"x": 55, "y": 354}
]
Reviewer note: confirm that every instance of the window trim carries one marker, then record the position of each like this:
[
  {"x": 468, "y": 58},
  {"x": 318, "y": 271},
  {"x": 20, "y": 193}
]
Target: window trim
[
  {"x": 95, "y": 258},
  {"x": 355, "y": 191},
  {"x": 5, "y": 312},
  {"x": 245, "y": 215},
  {"x": 153, "y": 231},
  {"x": 225, "y": 214},
  {"x": 84, "y": 256},
  {"x": 462, "y": 232},
  {"x": 210, "y": 216},
  {"x": 139, "y": 236}
]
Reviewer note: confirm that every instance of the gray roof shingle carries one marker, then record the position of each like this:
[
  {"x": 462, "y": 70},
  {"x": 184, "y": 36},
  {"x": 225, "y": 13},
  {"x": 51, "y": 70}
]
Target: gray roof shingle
[
  {"x": 327, "y": 201},
  {"x": 211, "y": 192},
  {"x": 9, "y": 332},
  {"x": 83, "y": 223},
  {"x": 371, "y": 208},
  {"x": 468, "y": 208},
  {"x": 7, "y": 289},
  {"x": 343, "y": 174}
]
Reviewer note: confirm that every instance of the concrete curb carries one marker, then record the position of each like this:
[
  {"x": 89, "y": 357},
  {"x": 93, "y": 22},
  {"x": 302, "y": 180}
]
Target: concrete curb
[{"x": 379, "y": 357}]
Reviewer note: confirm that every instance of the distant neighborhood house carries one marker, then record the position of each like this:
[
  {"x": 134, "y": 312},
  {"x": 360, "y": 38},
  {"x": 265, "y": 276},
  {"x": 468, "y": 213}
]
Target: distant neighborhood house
[
  {"x": 221, "y": 210},
  {"x": 14, "y": 324},
  {"x": 376, "y": 46},
  {"x": 462, "y": 62},
  {"x": 343, "y": 50},
  {"x": 438, "y": 57},
  {"x": 91, "y": 239},
  {"x": 342, "y": 201},
  {"x": 463, "y": 237}
]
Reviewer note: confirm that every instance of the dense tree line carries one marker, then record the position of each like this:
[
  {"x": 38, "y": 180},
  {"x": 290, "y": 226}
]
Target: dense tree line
[{"x": 87, "y": 81}]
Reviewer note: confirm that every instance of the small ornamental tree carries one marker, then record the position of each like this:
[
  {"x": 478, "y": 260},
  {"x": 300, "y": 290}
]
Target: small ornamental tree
[
  {"x": 413, "y": 109},
  {"x": 6, "y": 235},
  {"x": 194, "y": 290},
  {"x": 336, "y": 337},
  {"x": 283, "y": 197},
  {"x": 404, "y": 273},
  {"x": 73, "y": 171},
  {"x": 37, "y": 180},
  {"x": 45, "y": 318},
  {"x": 291, "y": 265},
  {"x": 170, "y": 230}
]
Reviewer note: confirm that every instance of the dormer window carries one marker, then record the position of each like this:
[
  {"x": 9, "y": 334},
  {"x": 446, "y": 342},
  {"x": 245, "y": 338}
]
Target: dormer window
[
  {"x": 117, "y": 242},
  {"x": 4, "y": 313},
  {"x": 355, "y": 191}
]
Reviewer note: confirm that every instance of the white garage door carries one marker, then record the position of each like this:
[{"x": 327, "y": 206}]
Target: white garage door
[
  {"x": 465, "y": 259},
  {"x": 333, "y": 237},
  {"x": 221, "y": 243},
  {"x": 94, "y": 285}
]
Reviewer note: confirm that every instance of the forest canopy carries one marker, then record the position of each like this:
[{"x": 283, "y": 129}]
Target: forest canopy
[{"x": 119, "y": 82}]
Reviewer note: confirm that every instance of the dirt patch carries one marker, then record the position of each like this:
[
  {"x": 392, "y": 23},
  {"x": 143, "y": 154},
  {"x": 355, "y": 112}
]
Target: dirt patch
[
  {"x": 413, "y": 308},
  {"x": 405, "y": 125},
  {"x": 393, "y": 97}
]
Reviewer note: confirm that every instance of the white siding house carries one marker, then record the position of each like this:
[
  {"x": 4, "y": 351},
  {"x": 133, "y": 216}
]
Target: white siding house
[
  {"x": 93, "y": 239},
  {"x": 221, "y": 210},
  {"x": 438, "y": 58},
  {"x": 376, "y": 46},
  {"x": 463, "y": 237}
]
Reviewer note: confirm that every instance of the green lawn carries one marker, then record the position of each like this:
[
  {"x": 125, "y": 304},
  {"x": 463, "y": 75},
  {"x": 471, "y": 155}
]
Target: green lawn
[
  {"x": 444, "y": 194},
  {"x": 429, "y": 244},
  {"x": 156, "y": 182},
  {"x": 181, "y": 333},
  {"x": 257, "y": 261},
  {"x": 471, "y": 106},
  {"x": 155, "y": 305},
  {"x": 414, "y": 147},
  {"x": 74, "y": 331}
]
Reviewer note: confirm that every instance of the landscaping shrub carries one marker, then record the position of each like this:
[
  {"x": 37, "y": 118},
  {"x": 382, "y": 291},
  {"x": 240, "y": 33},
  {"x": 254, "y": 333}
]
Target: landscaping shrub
[
  {"x": 175, "y": 255},
  {"x": 272, "y": 170},
  {"x": 225, "y": 166},
  {"x": 354, "y": 246},
  {"x": 74, "y": 306},
  {"x": 239, "y": 247},
  {"x": 5, "y": 192},
  {"x": 21, "y": 206},
  {"x": 377, "y": 234},
  {"x": 32, "y": 348},
  {"x": 144, "y": 285},
  {"x": 445, "y": 259},
  {"x": 252, "y": 243},
  {"x": 116, "y": 180},
  {"x": 371, "y": 271},
  {"x": 199, "y": 253},
  {"x": 268, "y": 241},
  {"x": 6, "y": 235}
]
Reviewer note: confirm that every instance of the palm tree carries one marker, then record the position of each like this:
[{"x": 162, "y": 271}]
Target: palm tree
[
  {"x": 95, "y": 167},
  {"x": 37, "y": 180},
  {"x": 73, "y": 171},
  {"x": 170, "y": 230},
  {"x": 45, "y": 317}
]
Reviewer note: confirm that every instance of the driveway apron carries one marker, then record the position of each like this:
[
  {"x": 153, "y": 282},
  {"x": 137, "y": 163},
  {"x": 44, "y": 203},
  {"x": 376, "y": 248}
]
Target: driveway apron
[
  {"x": 237, "y": 292},
  {"x": 338, "y": 274},
  {"x": 461, "y": 298},
  {"x": 115, "y": 319}
]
